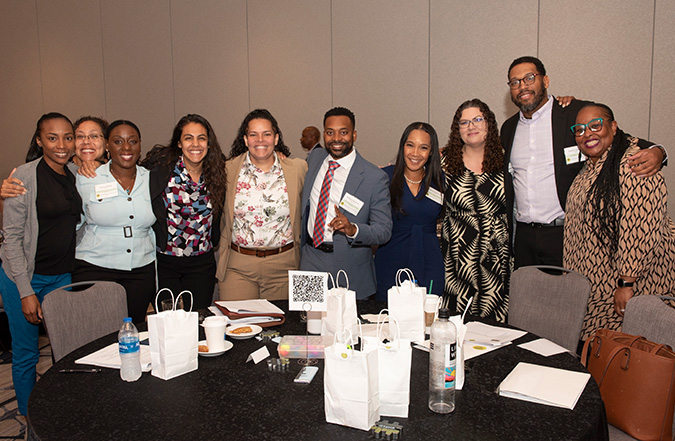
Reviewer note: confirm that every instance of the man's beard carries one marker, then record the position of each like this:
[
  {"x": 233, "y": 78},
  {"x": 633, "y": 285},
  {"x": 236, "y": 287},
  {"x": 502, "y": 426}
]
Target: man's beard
[{"x": 528, "y": 108}]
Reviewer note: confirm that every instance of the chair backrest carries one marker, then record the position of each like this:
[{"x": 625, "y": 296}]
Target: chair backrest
[
  {"x": 650, "y": 317},
  {"x": 75, "y": 318},
  {"x": 549, "y": 305}
]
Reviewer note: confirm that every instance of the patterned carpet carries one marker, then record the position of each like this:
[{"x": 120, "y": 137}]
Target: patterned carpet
[{"x": 13, "y": 425}]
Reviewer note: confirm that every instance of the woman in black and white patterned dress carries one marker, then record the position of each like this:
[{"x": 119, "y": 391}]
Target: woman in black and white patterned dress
[{"x": 475, "y": 240}]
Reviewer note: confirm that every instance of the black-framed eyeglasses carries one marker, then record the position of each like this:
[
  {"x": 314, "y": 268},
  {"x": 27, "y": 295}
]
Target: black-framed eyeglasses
[
  {"x": 477, "y": 121},
  {"x": 526, "y": 80},
  {"x": 594, "y": 125}
]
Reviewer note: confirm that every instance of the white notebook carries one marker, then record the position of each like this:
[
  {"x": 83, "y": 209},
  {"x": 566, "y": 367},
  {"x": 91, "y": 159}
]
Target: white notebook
[{"x": 544, "y": 385}]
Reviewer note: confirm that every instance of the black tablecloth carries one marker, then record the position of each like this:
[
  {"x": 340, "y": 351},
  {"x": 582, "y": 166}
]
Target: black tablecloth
[{"x": 227, "y": 398}]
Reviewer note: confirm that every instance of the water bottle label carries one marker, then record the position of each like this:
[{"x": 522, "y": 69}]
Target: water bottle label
[
  {"x": 450, "y": 366},
  {"x": 129, "y": 347}
]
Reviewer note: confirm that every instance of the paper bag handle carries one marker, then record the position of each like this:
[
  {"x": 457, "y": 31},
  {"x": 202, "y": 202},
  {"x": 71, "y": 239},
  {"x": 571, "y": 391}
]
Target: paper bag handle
[
  {"x": 380, "y": 326},
  {"x": 192, "y": 299},
  {"x": 406, "y": 271},
  {"x": 173, "y": 301},
  {"x": 337, "y": 279}
]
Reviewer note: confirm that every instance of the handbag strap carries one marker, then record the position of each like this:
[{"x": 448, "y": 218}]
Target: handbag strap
[
  {"x": 613, "y": 354},
  {"x": 406, "y": 271},
  {"x": 173, "y": 300}
]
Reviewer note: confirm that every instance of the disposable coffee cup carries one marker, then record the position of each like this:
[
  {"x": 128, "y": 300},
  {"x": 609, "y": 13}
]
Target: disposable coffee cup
[
  {"x": 431, "y": 304},
  {"x": 215, "y": 334}
]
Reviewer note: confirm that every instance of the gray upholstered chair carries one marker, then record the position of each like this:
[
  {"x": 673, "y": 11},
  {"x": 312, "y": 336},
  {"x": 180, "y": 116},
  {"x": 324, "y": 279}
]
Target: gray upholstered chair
[
  {"x": 550, "y": 304},
  {"x": 75, "y": 318},
  {"x": 651, "y": 318}
]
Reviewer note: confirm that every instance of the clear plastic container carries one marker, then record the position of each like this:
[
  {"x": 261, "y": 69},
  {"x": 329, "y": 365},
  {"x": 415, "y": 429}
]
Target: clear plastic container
[
  {"x": 130, "y": 351},
  {"x": 442, "y": 364}
]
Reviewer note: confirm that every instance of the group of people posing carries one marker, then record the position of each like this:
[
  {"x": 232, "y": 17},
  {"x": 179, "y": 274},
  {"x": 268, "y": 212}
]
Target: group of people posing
[{"x": 562, "y": 186}]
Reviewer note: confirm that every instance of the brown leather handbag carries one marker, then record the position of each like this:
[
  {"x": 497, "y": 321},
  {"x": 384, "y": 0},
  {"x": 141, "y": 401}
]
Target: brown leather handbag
[{"x": 637, "y": 382}]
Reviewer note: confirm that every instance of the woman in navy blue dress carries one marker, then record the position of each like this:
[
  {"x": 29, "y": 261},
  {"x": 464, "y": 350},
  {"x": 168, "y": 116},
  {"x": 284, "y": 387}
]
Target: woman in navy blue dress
[{"x": 416, "y": 187}]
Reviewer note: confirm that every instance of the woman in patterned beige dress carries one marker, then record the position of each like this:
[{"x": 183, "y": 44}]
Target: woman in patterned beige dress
[
  {"x": 617, "y": 230},
  {"x": 475, "y": 239}
]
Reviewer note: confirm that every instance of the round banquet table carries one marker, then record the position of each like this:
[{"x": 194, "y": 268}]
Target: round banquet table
[{"x": 227, "y": 398}]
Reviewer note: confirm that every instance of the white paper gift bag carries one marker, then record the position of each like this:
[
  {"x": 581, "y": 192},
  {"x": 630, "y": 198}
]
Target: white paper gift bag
[
  {"x": 406, "y": 303},
  {"x": 340, "y": 308},
  {"x": 394, "y": 363},
  {"x": 174, "y": 337},
  {"x": 350, "y": 383}
]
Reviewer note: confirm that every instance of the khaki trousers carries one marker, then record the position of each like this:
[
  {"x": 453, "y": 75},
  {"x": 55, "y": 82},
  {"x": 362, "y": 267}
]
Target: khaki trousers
[{"x": 251, "y": 277}]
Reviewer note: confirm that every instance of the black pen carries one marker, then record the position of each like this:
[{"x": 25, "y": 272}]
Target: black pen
[{"x": 80, "y": 371}]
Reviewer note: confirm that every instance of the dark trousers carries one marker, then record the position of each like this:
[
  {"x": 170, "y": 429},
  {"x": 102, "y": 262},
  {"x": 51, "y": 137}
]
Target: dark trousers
[
  {"x": 538, "y": 245},
  {"x": 196, "y": 274},
  {"x": 139, "y": 283}
]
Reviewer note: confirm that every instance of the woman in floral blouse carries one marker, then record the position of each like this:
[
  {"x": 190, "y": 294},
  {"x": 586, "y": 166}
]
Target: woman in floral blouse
[
  {"x": 261, "y": 221},
  {"x": 187, "y": 188}
]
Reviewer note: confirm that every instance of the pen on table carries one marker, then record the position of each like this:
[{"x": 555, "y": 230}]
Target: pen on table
[{"x": 80, "y": 371}]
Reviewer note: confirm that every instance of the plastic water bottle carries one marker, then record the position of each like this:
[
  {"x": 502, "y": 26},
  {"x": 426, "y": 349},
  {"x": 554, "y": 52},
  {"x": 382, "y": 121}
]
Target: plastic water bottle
[
  {"x": 442, "y": 361},
  {"x": 130, "y": 351}
]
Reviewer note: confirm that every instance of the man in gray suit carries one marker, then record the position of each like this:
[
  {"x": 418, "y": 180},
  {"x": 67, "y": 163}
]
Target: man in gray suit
[{"x": 350, "y": 198}]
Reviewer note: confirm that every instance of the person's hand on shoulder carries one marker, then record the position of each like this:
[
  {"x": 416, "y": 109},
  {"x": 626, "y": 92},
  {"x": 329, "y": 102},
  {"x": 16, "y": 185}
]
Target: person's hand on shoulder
[
  {"x": 11, "y": 187},
  {"x": 645, "y": 163},
  {"x": 88, "y": 169},
  {"x": 564, "y": 101}
]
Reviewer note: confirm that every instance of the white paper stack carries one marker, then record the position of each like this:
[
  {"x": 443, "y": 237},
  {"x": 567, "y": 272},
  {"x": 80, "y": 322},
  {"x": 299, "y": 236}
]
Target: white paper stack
[
  {"x": 109, "y": 357},
  {"x": 544, "y": 385}
]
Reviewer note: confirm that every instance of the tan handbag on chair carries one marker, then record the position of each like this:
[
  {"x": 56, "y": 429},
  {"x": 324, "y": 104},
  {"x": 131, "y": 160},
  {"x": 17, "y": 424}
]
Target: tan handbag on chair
[{"x": 637, "y": 382}]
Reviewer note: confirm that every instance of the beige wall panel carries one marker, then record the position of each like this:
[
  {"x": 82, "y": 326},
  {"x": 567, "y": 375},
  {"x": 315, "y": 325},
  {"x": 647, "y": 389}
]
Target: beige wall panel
[
  {"x": 601, "y": 52},
  {"x": 72, "y": 57},
  {"x": 380, "y": 69},
  {"x": 138, "y": 65},
  {"x": 662, "y": 127},
  {"x": 466, "y": 63},
  {"x": 21, "y": 91},
  {"x": 290, "y": 64},
  {"x": 210, "y": 63}
]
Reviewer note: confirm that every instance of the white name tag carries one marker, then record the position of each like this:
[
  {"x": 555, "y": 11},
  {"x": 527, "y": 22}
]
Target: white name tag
[
  {"x": 435, "y": 196},
  {"x": 107, "y": 190},
  {"x": 573, "y": 155},
  {"x": 351, "y": 203}
]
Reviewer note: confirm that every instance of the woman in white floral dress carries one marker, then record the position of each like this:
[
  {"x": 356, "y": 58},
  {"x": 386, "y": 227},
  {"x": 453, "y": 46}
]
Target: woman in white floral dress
[{"x": 260, "y": 234}]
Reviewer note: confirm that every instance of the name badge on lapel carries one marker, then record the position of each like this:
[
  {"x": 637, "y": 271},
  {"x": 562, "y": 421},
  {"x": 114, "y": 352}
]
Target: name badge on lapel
[
  {"x": 107, "y": 190},
  {"x": 573, "y": 155},
  {"x": 435, "y": 196},
  {"x": 351, "y": 204}
]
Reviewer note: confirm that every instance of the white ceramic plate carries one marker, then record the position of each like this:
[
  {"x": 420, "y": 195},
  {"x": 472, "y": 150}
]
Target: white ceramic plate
[
  {"x": 228, "y": 345},
  {"x": 255, "y": 330}
]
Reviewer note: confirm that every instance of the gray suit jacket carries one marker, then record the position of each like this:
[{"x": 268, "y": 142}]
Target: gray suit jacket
[{"x": 369, "y": 184}]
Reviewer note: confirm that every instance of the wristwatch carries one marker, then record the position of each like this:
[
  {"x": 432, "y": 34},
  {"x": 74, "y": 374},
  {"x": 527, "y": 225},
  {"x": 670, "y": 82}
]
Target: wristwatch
[{"x": 623, "y": 284}]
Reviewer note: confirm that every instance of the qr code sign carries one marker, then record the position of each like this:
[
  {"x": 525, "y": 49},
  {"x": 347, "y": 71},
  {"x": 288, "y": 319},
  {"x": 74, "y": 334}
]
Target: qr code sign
[{"x": 308, "y": 288}]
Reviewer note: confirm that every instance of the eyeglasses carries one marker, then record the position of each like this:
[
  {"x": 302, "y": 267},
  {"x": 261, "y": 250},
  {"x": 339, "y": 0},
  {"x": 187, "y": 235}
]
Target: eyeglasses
[
  {"x": 477, "y": 121},
  {"x": 93, "y": 137},
  {"x": 594, "y": 125},
  {"x": 526, "y": 80}
]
